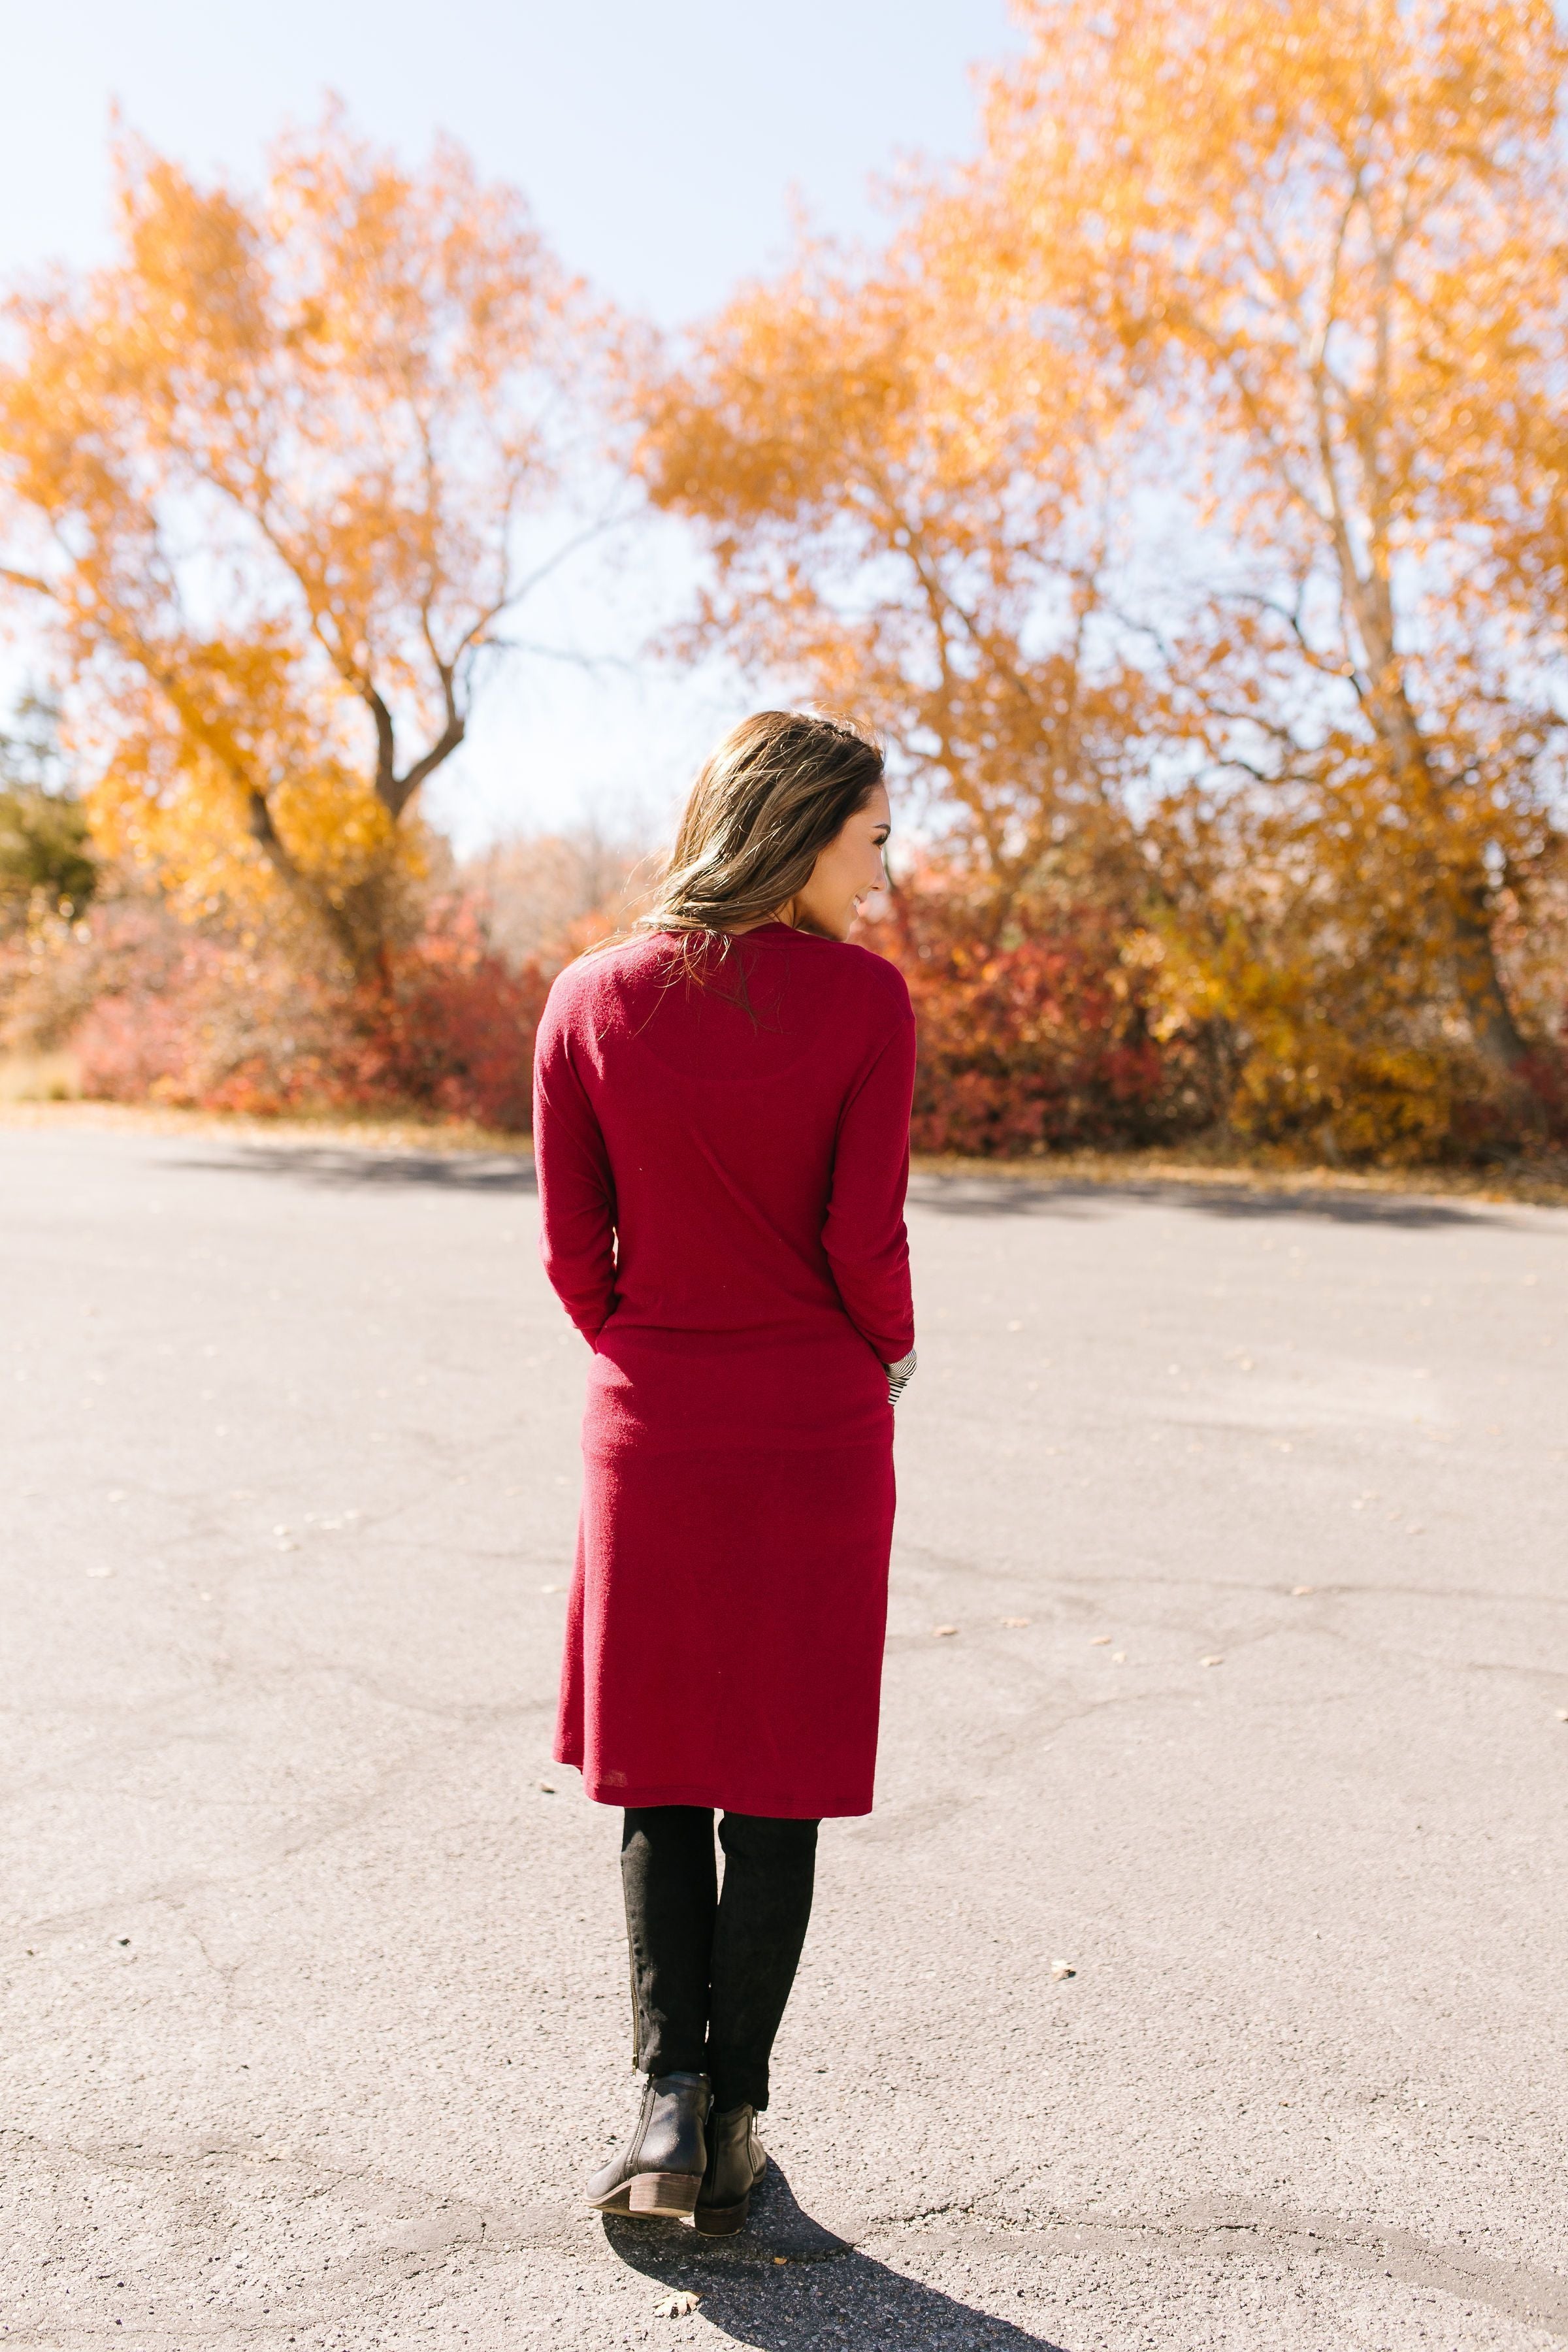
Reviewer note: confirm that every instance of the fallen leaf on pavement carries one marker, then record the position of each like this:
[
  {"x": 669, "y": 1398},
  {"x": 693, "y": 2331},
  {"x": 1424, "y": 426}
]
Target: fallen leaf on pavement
[
  {"x": 1060, "y": 1968},
  {"x": 1297, "y": 1591},
  {"x": 1098, "y": 1641},
  {"x": 1015, "y": 1621},
  {"x": 1215, "y": 1660},
  {"x": 675, "y": 2306},
  {"x": 940, "y": 1630},
  {"x": 1119, "y": 1657}
]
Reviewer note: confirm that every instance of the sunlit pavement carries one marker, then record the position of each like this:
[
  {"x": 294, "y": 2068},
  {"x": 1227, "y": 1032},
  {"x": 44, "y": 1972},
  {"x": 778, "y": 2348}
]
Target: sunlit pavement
[{"x": 1228, "y": 1671}]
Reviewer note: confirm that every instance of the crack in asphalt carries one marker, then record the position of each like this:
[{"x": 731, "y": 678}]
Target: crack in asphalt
[
  {"x": 355, "y": 1703},
  {"x": 267, "y": 1855},
  {"x": 1516, "y": 2290},
  {"x": 158, "y": 1724},
  {"x": 443, "y": 2226}
]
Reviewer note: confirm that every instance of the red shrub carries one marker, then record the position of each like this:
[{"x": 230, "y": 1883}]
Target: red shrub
[
  {"x": 450, "y": 1028},
  {"x": 132, "y": 1049},
  {"x": 1035, "y": 1042},
  {"x": 447, "y": 1027}
]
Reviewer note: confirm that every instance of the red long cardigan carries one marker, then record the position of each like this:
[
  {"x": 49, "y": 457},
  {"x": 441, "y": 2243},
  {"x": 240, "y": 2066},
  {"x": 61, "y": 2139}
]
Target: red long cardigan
[{"x": 722, "y": 1162}]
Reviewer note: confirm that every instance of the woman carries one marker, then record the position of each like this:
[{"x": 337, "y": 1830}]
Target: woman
[{"x": 721, "y": 1126}]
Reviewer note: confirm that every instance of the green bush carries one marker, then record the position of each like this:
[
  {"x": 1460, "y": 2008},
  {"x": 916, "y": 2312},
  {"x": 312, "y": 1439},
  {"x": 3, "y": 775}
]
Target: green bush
[{"x": 44, "y": 849}]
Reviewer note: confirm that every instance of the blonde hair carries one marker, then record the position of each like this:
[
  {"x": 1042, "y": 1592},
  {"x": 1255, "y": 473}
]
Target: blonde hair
[{"x": 777, "y": 789}]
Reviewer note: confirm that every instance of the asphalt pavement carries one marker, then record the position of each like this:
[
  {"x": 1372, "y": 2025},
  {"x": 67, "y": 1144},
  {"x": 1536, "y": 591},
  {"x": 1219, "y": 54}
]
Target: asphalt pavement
[{"x": 1199, "y": 1982}]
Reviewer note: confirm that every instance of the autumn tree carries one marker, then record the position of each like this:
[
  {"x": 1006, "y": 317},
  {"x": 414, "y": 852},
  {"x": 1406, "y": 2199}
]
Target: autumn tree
[
  {"x": 264, "y": 480},
  {"x": 903, "y": 519},
  {"x": 1184, "y": 491},
  {"x": 1325, "y": 239},
  {"x": 915, "y": 512}
]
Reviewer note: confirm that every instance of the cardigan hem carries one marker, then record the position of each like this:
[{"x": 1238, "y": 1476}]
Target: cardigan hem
[{"x": 765, "y": 1805}]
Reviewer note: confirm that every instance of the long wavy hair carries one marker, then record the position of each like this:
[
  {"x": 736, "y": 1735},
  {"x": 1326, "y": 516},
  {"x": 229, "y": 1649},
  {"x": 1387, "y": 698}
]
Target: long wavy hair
[{"x": 777, "y": 789}]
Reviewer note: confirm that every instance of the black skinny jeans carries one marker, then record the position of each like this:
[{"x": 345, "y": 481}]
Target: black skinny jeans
[{"x": 712, "y": 1971}]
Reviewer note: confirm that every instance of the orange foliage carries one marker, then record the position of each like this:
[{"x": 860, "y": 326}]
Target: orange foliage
[
  {"x": 263, "y": 475},
  {"x": 905, "y": 519},
  {"x": 1183, "y": 494},
  {"x": 1325, "y": 241}
]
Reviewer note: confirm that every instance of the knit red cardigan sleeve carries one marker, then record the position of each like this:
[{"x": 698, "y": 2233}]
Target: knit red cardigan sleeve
[
  {"x": 864, "y": 1233},
  {"x": 576, "y": 1189}
]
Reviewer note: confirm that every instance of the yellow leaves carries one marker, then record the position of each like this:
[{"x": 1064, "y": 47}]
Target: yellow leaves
[
  {"x": 882, "y": 509},
  {"x": 277, "y": 451},
  {"x": 822, "y": 393},
  {"x": 178, "y": 814},
  {"x": 1184, "y": 495},
  {"x": 196, "y": 263}
]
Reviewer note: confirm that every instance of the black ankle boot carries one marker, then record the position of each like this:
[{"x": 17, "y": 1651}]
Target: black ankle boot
[
  {"x": 736, "y": 2162},
  {"x": 661, "y": 2167}
]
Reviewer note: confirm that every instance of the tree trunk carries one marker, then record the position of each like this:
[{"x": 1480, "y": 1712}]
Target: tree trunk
[
  {"x": 304, "y": 892},
  {"x": 1480, "y": 987},
  {"x": 1470, "y": 953}
]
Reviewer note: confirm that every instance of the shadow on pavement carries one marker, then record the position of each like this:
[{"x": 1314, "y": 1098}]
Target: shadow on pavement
[
  {"x": 321, "y": 1163},
  {"x": 787, "y": 2285},
  {"x": 1011, "y": 1196},
  {"x": 346, "y": 1166}
]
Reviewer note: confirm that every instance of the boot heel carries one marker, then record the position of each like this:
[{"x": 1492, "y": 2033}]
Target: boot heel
[
  {"x": 722, "y": 2220},
  {"x": 673, "y": 2193}
]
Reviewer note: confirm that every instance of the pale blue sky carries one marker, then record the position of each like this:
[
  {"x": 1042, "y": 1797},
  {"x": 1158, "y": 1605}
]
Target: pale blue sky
[{"x": 658, "y": 145}]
